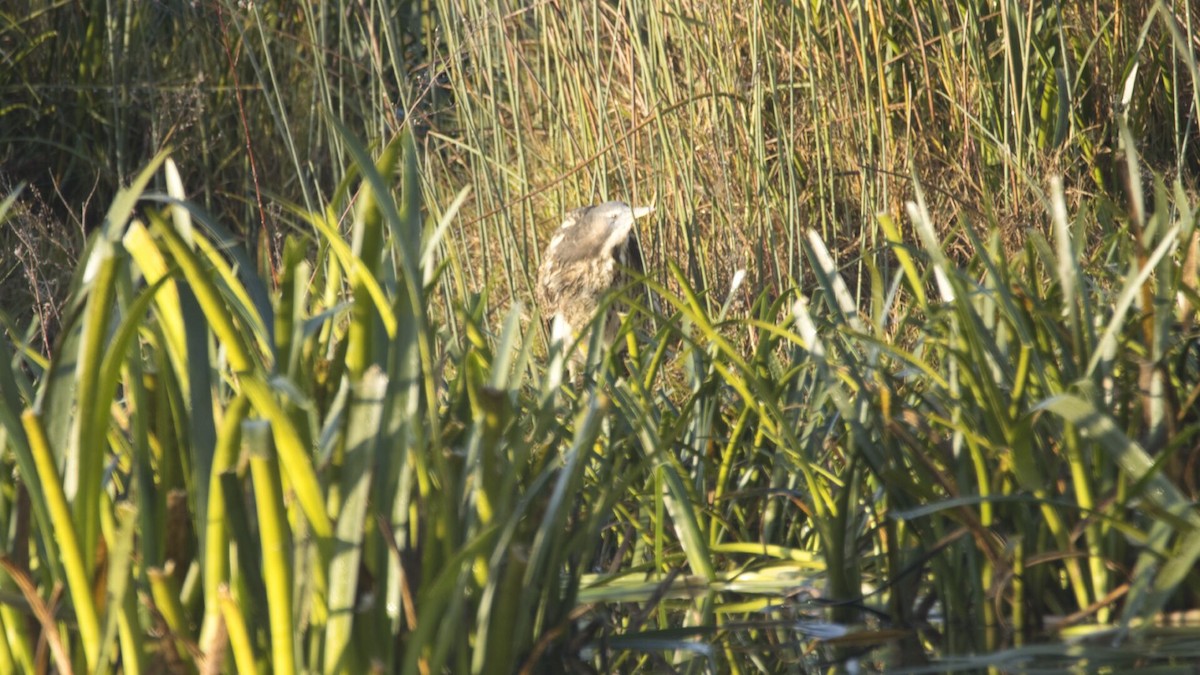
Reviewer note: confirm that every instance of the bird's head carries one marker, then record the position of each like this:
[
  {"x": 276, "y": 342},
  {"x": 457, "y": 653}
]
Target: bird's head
[{"x": 599, "y": 230}]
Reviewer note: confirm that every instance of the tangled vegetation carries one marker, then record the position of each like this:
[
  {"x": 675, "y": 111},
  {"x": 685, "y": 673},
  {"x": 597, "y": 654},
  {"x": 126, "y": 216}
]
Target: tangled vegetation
[{"x": 918, "y": 357}]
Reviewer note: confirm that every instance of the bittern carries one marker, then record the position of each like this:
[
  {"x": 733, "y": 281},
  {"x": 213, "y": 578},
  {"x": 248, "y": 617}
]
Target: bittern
[{"x": 586, "y": 259}]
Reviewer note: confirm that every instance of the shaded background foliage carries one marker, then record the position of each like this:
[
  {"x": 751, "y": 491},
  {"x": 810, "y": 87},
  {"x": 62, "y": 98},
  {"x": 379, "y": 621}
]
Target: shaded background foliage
[
  {"x": 977, "y": 396},
  {"x": 745, "y": 124}
]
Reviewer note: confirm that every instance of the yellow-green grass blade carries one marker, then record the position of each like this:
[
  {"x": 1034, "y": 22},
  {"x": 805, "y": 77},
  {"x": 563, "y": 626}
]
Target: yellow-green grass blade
[
  {"x": 19, "y": 652},
  {"x": 18, "y": 655},
  {"x": 148, "y": 259},
  {"x": 918, "y": 214},
  {"x": 1132, "y": 458},
  {"x": 687, "y": 528},
  {"x": 404, "y": 473},
  {"x": 164, "y": 589},
  {"x": 55, "y": 398},
  {"x": 497, "y": 640},
  {"x": 275, "y": 542},
  {"x": 362, "y": 433},
  {"x": 253, "y": 315},
  {"x": 78, "y": 581},
  {"x": 405, "y": 237},
  {"x": 215, "y": 309},
  {"x": 132, "y": 634},
  {"x": 367, "y": 245},
  {"x": 289, "y": 310},
  {"x": 892, "y": 233},
  {"x": 1105, "y": 349},
  {"x": 216, "y": 533},
  {"x": 355, "y": 269},
  {"x": 545, "y": 551},
  {"x": 404, "y": 228},
  {"x": 86, "y": 452},
  {"x": 137, "y": 406},
  {"x": 7, "y": 664},
  {"x": 247, "y": 585},
  {"x": 85, "y": 456},
  {"x": 297, "y": 466},
  {"x": 293, "y": 455},
  {"x": 1155, "y": 578},
  {"x": 434, "y": 240},
  {"x": 196, "y": 381},
  {"x": 440, "y": 609},
  {"x": 13, "y": 432},
  {"x": 833, "y": 283},
  {"x": 240, "y": 641},
  {"x": 235, "y": 274},
  {"x": 120, "y": 573},
  {"x": 123, "y": 338}
]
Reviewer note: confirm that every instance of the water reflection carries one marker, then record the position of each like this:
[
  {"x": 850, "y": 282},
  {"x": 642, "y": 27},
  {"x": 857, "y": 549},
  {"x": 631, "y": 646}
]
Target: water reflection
[{"x": 776, "y": 621}]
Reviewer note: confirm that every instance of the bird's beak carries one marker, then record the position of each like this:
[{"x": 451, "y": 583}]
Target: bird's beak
[{"x": 639, "y": 211}]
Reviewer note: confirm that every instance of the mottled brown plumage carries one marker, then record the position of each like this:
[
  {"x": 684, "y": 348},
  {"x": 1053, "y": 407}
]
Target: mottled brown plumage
[{"x": 584, "y": 261}]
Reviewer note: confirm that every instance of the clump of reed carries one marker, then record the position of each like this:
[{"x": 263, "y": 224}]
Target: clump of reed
[{"x": 295, "y": 415}]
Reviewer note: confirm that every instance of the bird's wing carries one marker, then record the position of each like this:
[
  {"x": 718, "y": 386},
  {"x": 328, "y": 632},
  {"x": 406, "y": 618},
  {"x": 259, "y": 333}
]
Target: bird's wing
[
  {"x": 554, "y": 274},
  {"x": 544, "y": 293}
]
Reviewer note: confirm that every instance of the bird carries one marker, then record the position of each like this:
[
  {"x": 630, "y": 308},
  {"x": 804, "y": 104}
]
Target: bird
[{"x": 585, "y": 260}]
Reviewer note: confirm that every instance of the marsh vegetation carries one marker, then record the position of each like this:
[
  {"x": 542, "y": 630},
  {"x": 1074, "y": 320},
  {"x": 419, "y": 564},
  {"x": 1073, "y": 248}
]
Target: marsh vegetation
[{"x": 914, "y": 363}]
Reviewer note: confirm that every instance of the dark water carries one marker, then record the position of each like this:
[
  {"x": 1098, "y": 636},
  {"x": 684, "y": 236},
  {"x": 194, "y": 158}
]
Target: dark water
[{"x": 777, "y": 623}]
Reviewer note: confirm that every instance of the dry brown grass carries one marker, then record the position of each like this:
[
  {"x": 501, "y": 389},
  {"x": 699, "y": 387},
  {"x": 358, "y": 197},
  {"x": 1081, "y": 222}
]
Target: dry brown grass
[{"x": 39, "y": 251}]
